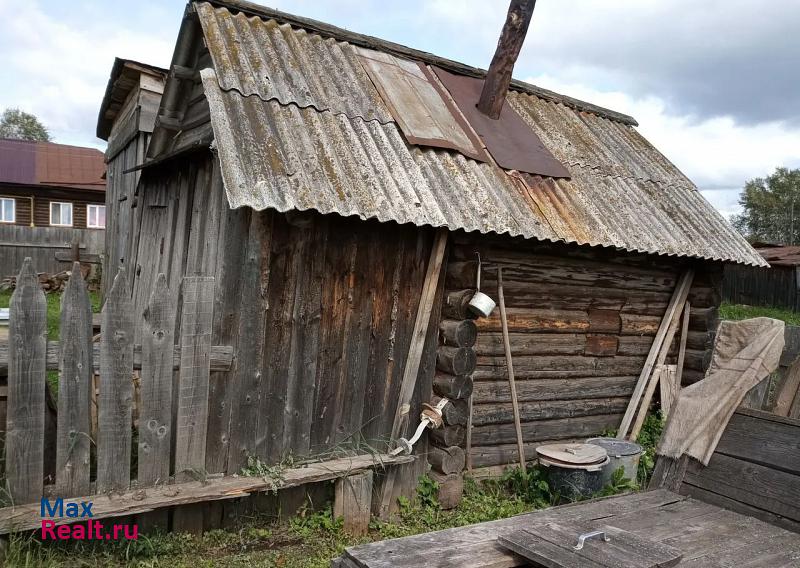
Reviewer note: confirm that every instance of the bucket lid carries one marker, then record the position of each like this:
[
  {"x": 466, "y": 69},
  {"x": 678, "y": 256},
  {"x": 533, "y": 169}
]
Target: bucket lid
[
  {"x": 616, "y": 447},
  {"x": 572, "y": 454}
]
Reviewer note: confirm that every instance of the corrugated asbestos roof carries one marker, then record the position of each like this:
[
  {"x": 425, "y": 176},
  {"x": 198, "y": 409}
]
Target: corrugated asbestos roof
[{"x": 299, "y": 125}]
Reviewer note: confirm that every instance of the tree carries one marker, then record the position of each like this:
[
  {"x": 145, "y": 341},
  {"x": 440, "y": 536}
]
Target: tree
[
  {"x": 771, "y": 208},
  {"x": 21, "y": 125}
]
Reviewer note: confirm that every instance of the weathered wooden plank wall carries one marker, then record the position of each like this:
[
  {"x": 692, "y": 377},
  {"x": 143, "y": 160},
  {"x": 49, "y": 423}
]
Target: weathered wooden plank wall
[
  {"x": 319, "y": 310},
  {"x": 775, "y": 287},
  {"x": 123, "y": 211},
  {"x": 754, "y": 470},
  {"x": 41, "y": 244},
  {"x": 581, "y": 324}
]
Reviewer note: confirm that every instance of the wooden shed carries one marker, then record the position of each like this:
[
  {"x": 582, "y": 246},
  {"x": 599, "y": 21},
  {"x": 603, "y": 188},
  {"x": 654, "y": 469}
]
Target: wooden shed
[{"x": 331, "y": 183}]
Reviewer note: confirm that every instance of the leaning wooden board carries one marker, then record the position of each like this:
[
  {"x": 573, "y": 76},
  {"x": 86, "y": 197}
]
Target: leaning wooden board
[{"x": 552, "y": 545}]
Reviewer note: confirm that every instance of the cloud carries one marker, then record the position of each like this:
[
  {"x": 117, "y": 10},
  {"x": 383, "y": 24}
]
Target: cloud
[
  {"x": 718, "y": 154},
  {"x": 58, "y": 69},
  {"x": 736, "y": 58}
]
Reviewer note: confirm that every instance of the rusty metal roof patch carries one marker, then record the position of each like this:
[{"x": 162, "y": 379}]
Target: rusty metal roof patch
[{"x": 509, "y": 140}]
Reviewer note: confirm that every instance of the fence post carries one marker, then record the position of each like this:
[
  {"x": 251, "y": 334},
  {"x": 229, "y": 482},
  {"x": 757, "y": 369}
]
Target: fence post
[
  {"x": 27, "y": 351},
  {"x": 155, "y": 413},
  {"x": 190, "y": 441},
  {"x": 116, "y": 389},
  {"x": 74, "y": 389}
]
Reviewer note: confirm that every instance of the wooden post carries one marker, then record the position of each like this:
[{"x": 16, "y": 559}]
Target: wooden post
[
  {"x": 468, "y": 443},
  {"x": 115, "y": 402},
  {"x": 510, "y": 364},
  {"x": 155, "y": 424},
  {"x": 26, "y": 383},
  {"x": 155, "y": 411},
  {"x": 498, "y": 77},
  {"x": 352, "y": 499},
  {"x": 411, "y": 368},
  {"x": 675, "y": 306},
  {"x": 687, "y": 312},
  {"x": 197, "y": 319},
  {"x": 74, "y": 389}
]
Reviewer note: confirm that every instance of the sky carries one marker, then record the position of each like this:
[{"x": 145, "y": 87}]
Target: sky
[{"x": 714, "y": 84}]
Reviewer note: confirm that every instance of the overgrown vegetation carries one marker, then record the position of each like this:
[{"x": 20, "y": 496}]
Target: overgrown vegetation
[
  {"x": 308, "y": 540},
  {"x": 741, "y": 312}
]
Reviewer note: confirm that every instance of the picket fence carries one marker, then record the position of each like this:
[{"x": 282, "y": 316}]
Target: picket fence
[
  {"x": 169, "y": 465},
  {"x": 27, "y": 364}
]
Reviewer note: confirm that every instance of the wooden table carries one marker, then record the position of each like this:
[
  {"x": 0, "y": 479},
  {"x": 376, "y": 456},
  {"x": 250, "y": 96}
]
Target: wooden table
[{"x": 708, "y": 536}]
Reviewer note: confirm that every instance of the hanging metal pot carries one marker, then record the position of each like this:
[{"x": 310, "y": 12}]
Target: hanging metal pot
[{"x": 481, "y": 305}]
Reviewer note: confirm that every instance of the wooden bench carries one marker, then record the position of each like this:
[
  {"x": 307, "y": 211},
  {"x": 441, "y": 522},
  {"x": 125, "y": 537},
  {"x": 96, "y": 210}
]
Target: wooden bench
[{"x": 735, "y": 512}]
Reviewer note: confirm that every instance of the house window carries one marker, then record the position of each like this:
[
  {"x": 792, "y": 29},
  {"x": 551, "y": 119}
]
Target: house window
[
  {"x": 96, "y": 216},
  {"x": 8, "y": 210},
  {"x": 61, "y": 214}
]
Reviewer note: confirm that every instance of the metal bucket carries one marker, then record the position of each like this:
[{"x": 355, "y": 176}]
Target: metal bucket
[
  {"x": 621, "y": 453},
  {"x": 576, "y": 481},
  {"x": 481, "y": 304}
]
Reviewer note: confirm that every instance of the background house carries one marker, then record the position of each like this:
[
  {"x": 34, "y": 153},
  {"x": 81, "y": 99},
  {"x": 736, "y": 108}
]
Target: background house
[
  {"x": 50, "y": 194},
  {"x": 287, "y": 163}
]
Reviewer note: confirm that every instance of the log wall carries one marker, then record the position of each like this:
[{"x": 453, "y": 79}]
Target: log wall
[{"x": 581, "y": 322}]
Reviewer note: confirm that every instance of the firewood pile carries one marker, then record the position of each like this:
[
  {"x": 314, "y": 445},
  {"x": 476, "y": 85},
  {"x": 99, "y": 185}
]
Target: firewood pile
[{"x": 49, "y": 282}]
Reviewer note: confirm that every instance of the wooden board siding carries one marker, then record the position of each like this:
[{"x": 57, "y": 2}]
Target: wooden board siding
[
  {"x": 319, "y": 310},
  {"x": 581, "y": 324},
  {"x": 123, "y": 214}
]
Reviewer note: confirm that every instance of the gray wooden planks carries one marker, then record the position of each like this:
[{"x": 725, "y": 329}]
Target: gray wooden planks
[
  {"x": 116, "y": 389},
  {"x": 196, "y": 320},
  {"x": 74, "y": 389},
  {"x": 551, "y": 544},
  {"x": 26, "y": 388},
  {"x": 155, "y": 411}
]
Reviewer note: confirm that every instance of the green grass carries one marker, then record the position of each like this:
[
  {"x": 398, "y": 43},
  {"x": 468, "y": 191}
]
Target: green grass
[
  {"x": 53, "y": 309},
  {"x": 53, "y": 323},
  {"x": 740, "y": 312}
]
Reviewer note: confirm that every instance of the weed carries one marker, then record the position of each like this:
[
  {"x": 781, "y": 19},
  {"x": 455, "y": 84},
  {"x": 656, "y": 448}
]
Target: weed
[{"x": 274, "y": 474}]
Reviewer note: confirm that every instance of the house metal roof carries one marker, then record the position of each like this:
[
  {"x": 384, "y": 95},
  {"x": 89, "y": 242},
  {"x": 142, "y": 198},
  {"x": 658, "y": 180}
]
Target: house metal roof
[
  {"x": 26, "y": 162},
  {"x": 299, "y": 125}
]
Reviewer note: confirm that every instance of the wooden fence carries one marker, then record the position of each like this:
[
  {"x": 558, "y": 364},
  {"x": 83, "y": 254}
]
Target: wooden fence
[
  {"x": 114, "y": 486},
  {"x": 48, "y": 247},
  {"x": 776, "y": 287}
]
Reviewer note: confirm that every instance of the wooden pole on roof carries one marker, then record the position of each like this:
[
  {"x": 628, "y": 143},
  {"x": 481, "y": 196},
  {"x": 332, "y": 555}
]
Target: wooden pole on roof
[{"x": 498, "y": 77}]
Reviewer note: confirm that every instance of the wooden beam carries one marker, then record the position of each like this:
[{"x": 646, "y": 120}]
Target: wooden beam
[
  {"x": 221, "y": 357},
  {"x": 675, "y": 305},
  {"x": 687, "y": 312},
  {"x": 143, "y": 500},
  {"x": 498, "y": 77},
  {"x": 510, "y": 364}
]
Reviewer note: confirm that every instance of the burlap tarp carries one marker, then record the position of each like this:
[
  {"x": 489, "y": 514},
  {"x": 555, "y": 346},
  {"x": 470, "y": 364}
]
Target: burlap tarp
[{"x": 745, "y": 353}]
